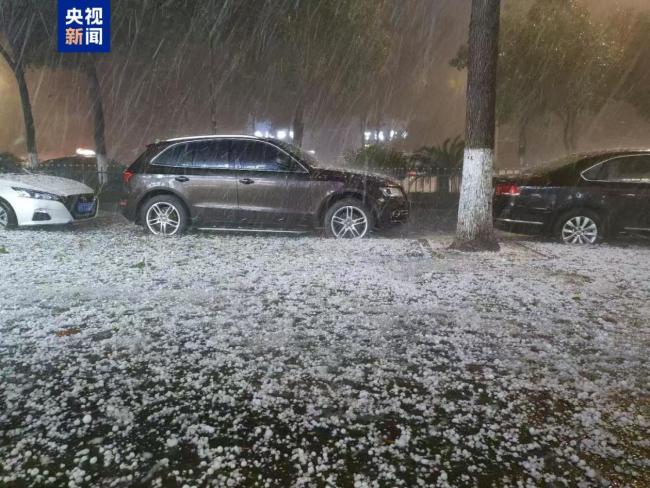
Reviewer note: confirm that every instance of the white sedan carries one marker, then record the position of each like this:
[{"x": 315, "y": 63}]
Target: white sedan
[{"x": 28, "y": 199}]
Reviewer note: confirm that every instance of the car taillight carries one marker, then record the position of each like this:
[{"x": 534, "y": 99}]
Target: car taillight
[
  {"x": 127, "y": 175},
  {"x": 509, "y": 189}
]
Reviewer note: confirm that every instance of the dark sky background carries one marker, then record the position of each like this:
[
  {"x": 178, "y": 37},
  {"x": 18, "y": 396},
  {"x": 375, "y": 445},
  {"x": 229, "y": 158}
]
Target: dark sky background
[{"x": 143, "y": 105}]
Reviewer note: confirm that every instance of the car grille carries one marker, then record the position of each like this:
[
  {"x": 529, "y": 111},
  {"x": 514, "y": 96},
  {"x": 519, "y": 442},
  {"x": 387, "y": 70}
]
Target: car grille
[{"x": 72, "y": 201}]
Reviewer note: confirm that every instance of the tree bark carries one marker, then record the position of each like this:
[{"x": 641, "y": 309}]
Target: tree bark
[
  {"x": 475, "y": 231},
  {"x": 97, "y": 108},
  {"x": 26, "y": 104},
  {"x": 522, "y": 141},
  {"x": 298, "y": 125},
  {"x": 569, "y": 132}
]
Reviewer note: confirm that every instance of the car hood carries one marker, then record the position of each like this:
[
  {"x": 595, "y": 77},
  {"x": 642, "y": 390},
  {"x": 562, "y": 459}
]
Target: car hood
[
  {"x": 350, "y": 175},
  {"x": 51, "y": 184}
]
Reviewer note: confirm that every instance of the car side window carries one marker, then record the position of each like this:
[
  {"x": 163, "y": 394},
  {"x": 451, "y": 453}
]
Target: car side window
[
  {"x": 594, "y": 173},
  {"x": 259, "y": 156},
  {"x": 210, "y": 155},
  {"x": 177, "y": 156},
  {"x": 631, "y": 169}
]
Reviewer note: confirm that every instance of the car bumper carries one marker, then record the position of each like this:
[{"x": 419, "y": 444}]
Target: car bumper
[
  {"x": 510, "y": 216},
  {"x": 393, "y": 211},
  {"x": 32, "y": 212},
  {"x": 129, "y": 209}
]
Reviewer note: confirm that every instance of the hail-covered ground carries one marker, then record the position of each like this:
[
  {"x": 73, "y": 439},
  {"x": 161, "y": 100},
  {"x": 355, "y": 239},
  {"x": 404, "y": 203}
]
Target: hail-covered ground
[{"x": 239, "y": 360}]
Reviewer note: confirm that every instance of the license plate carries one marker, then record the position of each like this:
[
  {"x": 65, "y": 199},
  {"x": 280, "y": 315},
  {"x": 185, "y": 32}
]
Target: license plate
[{"x": 85, "y": 207}]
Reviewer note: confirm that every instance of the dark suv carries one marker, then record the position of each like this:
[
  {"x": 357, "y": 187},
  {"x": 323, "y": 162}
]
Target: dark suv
[{"x": 244, "y": 182}]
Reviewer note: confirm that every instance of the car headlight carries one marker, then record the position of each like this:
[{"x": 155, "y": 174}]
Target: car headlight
[
  {"x": 391, "y": 191},
  {"x": 38, "y": 195}
]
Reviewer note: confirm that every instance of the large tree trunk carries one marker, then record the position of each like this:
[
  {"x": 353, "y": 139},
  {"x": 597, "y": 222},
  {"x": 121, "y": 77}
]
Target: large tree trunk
[
  {"x": 298, "y": 125},
  {"x": 474, "y": 231},
  {"x": 569, "y": 131},
  {"x": 16, "y": 66},
  {"x": 28, "y": 116},
  {"x": 97, "y": 107}
]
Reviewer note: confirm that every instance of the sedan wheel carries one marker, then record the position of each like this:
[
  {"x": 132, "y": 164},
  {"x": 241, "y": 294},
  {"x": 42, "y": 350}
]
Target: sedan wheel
[
  {"x": 163, "y": 218},
  {"x": 580, "y": 230},
  {"x": 349, "y": 222},
  {"x": 7, "y": 217},
  {"x": 4, "y": 218}
]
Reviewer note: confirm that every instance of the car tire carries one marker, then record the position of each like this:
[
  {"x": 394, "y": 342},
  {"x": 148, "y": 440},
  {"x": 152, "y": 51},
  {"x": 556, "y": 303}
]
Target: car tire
[
  {"x": 348, "y": 219},
  {"x": 165, "y": 215},
  {"x": 580, "y": 226},
  {"x": 7, "y": 216}
]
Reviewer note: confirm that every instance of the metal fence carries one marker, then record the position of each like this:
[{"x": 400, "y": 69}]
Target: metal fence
[{"x": 434, "y": 180}]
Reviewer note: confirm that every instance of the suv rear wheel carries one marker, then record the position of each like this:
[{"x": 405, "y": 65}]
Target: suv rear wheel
[
  {"x": 165, "y": 215},
  {"x": 348, "y": 219},
  {"x": 580, "y": 226}
]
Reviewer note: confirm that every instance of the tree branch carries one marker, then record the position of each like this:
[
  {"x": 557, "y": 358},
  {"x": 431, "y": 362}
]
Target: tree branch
[{"x": 7, "y": 57}]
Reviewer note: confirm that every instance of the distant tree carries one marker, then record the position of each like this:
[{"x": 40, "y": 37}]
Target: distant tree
[
  {"x": 22, "y": 37},
  {"x": 474, "y": 231},
  {"x": 133, "y": 23},
  {"x": 578, "y": 62},
  {"x": 445, "y": 159},
  {"x": 634, "y": 81},
  {"x": 323, "y": 53},
  {"x": 555, "y": 59},
  {"x": 86, "y": 64},
  {"x": 232, "y": 34}
]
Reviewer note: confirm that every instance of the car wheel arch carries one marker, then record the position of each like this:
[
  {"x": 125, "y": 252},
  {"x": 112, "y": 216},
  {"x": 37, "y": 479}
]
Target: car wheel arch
[
  {"x": 342, "y": 195},
  {"x": 157, "y": 192},
  {"x": 5, "y": 202},
  {"x": 601, "y": 213},
  {"x": 12, "y": 213}
]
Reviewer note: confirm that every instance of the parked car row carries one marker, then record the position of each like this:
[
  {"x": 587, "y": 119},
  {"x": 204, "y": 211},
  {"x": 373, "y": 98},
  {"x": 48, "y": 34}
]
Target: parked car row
[
  {"x": 219, "y": 182},
  {"x": 253, "y": 183}
]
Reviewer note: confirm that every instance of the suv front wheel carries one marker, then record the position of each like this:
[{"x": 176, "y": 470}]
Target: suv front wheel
[
  {"x": 348, "y": 219},
  {"x": 165, "y": 215}
]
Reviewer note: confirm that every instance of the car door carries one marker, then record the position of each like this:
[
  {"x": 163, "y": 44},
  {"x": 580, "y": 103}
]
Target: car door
[
  {"x": 273, "y": 188},
  {"x": 624, "y": 183},
  {"x": 201, "y": 172},
  {"x": 632, "y": 175}
]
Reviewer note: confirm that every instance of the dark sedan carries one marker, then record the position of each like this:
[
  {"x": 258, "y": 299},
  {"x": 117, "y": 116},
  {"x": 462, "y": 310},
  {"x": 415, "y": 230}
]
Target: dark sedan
[
  {"x": 579, "y": 200},
  {"x": 245, "y": 182}
]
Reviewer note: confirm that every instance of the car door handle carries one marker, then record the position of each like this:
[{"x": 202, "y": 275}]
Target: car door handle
[
  {"x": 182, "y": 179},
  {"x": 247, "y": 181}
]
